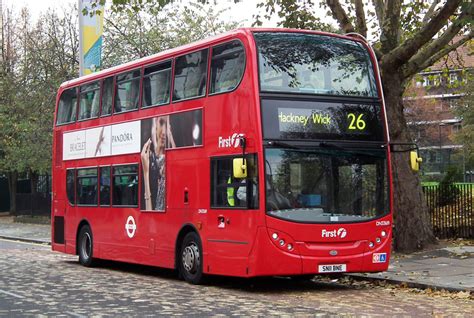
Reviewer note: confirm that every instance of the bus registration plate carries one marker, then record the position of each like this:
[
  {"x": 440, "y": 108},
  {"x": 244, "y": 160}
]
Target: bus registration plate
[{"x": 332, "y": 268}]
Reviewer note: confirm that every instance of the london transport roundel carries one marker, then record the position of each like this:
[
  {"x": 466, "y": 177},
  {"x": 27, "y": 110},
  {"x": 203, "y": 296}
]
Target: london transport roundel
[{"x": 130, "y": 226}]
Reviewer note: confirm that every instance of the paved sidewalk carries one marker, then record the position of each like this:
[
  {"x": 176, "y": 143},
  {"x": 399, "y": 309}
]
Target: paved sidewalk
[
  {"x": 449, "y": 266},
  {"x": 36, "y": 233}
]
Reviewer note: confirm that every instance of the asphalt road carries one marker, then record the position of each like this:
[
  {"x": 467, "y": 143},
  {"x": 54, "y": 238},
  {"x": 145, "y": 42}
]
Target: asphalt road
[{"x": 36, "y": 281}]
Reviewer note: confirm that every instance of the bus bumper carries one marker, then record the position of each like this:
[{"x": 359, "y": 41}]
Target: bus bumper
[{"x": 270, "y": 258}]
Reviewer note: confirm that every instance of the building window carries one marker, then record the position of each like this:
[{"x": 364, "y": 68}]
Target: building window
[
  {"x": 156, "y": 85},
  {"x": 86, "y": 189},
  {"x": 127, "y": 93},
  {"x": 230, "y": 192},
  {"x": 227, "y": 67},
  {"x": 190, "y": 75},
  {"x": 457, "y": 128},
  {"x": 125, "y": 185}
]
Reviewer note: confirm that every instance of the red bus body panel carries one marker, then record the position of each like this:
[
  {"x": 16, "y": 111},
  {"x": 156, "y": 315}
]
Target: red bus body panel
[{"x": 245, "y": 246}]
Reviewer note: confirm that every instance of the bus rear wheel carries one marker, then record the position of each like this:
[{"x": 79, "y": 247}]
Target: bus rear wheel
[
  {"x": 190, "y": 259},
  {"x": 85, "y": 246}
]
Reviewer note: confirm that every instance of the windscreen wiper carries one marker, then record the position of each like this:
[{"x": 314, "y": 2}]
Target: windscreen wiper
[
  {"x": 282, "y": 144},
  {"x": 325, "y": 144}
]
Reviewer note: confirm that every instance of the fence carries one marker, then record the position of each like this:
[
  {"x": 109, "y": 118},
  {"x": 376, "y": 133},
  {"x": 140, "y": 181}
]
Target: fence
[
  {"x": 38, "y": 203},
  {"x": 451, "y": 210},
  {"x": 33, "y": 203}
]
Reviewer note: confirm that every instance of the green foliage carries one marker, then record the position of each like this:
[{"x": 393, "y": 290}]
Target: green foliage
[
  {"x": 40, "y": 57},
  {"x": 448, "y": 190},
  {"x": 129, "y": 35},
  {"x": 296, "y": 14},
  {"x": 465, "y": 110}
]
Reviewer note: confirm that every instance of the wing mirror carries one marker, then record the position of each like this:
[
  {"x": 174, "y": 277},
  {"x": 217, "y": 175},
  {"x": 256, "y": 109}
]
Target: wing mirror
[
  {"x": 415, "y": 160},
  {"x": 239, "y": 168}
]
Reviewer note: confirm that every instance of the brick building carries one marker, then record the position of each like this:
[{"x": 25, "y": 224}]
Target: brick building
[{"x": 429, "y": 109}]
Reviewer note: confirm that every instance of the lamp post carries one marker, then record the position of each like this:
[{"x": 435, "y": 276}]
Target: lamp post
[{"x": 441, "y": 161}]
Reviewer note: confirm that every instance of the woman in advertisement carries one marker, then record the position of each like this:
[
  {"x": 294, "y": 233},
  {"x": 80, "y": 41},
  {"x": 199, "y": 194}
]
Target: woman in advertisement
[{"x": 153, "y": 163}]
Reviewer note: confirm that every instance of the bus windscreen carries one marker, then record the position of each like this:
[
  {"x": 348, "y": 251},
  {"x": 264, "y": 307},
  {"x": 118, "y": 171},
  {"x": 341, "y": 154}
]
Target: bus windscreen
[{"x": 314, "y": 64}]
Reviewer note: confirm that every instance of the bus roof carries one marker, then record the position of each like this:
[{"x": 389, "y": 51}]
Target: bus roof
[{"x": 188, "y": 48}]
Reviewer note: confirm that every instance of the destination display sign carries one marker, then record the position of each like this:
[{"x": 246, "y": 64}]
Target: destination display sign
[{"x": 301, "y": 120}]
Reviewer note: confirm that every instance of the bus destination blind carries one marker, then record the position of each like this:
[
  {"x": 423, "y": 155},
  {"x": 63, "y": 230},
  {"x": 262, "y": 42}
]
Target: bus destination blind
[{"x": 296, "y": 120}]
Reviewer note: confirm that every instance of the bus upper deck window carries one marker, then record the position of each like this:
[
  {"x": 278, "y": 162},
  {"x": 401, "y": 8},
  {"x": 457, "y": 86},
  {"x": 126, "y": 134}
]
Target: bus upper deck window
[
  {"x": 156, "y": 85},
  {"x": 107, "y": 92},
  {"x": 67, "y": 107},
  {"x": 127, "y": 93},
  {"x": 227, "y": 67},
  {"x": 89, "y": 101},
  {"x": 190, "y": 75}
]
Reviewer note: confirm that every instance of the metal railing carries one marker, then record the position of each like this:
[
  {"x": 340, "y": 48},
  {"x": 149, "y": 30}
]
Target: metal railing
[{"x": 451, "y": 209}]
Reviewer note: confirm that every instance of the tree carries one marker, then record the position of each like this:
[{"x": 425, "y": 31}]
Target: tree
[
  {"x": 410, "y": 36},
  {"x": 131, "y": 35},
  {"x": 37, "y": 59},
  {"x": 465, "y": 110}
]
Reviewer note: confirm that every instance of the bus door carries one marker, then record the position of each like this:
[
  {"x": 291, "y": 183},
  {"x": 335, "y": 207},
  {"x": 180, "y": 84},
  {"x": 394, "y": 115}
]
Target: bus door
[{"x": 233, "y": 214}]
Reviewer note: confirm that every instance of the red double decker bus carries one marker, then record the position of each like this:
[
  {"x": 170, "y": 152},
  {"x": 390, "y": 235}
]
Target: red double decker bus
[{"x": 255, "y": 152}]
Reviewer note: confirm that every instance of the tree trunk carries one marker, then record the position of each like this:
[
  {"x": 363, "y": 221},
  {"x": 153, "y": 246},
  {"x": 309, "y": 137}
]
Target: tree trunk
[
  {"x": 413, "y": 228},
  {"x": 12, "y": 185}
]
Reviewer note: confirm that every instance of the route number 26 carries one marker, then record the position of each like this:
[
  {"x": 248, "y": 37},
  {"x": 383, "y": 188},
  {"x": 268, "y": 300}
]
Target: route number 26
[{"x": 357, "y": 123}]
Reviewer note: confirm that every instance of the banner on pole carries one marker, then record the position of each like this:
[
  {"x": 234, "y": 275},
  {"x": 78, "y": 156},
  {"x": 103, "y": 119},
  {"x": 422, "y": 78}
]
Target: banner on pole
[{"x": 90, "y": 37}]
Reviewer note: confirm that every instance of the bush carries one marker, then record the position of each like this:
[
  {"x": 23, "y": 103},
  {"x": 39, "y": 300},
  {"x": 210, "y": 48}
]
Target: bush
[{"x": 448, "y": 191}]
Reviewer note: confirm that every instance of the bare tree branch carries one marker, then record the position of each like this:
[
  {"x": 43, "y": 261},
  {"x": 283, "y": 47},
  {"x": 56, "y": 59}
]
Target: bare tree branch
[
  {"x": 420, "y": 62},
  {"x": 420, "y": 58},
  {"x": 390, "y": 29},
  {"x": 430, "y": 11},
  {"x": 360, "y": 18},
  {"x": 402, "y": 53},
  {"x": 134, "y": 45},
  {"x": 340, "y": 15},
  {"x": 379, "y": 11}
]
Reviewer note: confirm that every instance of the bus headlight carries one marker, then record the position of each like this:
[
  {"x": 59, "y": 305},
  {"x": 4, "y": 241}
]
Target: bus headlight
[
  {"x": 383, "y": 234},
  {"x": 275, "y": 236},
  {"x": 371, "y": 244}
]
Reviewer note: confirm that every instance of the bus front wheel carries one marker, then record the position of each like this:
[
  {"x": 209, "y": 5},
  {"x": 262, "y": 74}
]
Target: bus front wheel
[
  {"x": 85, "y": 245},
  {"x": 190, "y": 259}
]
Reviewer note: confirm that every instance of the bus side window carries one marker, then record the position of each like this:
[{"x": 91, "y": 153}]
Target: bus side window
[
  {"x": 190, "y": 75},
  {"x": 107, "y": 92},
  {"x": 156, "y": 85},
  {"x": 227, "y": 67},
  {"x": 127, "y": 92},
  {"x": 104, "y": 186},
  {"x": 86, "y": 188},
  {"x": 125, "y": 185},
  {"x": 67, "y": 107},
  {"x": 70, "y": 186},
  {"x": 89, "y": 101},
  {"x": 227, "y": 191}
]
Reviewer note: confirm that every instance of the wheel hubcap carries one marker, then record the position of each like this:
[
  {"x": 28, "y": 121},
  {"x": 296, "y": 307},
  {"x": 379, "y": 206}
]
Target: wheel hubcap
[
  {"x": 191, "y": 259},
  {"x": 86, "y": 246}
]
